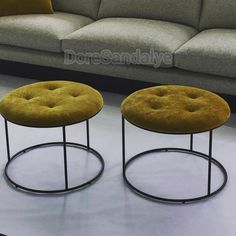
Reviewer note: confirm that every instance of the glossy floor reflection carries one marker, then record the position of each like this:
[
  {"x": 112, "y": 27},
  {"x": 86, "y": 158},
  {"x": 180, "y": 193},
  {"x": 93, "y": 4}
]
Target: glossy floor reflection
[{"x": 108, "y": 207}]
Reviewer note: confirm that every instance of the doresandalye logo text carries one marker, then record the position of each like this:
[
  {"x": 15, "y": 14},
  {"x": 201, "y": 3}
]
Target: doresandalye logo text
[{"x": 105, "y": 57}]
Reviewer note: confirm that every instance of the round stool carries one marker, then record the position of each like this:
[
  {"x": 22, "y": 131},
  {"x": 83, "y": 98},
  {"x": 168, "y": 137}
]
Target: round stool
[
  {"x": 48, "y": 105},
  {"x": 179, "y": 110}
]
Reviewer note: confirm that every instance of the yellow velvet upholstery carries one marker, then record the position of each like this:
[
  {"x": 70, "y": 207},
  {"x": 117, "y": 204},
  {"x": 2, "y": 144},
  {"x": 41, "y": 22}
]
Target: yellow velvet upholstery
[
  {"x": 50, "y": 104},
  {"x": 175, "y": 109},
  {"x": 18, "y": 7}
]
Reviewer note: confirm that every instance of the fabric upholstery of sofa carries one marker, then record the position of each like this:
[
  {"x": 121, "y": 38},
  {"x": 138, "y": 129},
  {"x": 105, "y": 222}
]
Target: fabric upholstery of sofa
[
  {"x": 211, "y": 51},
  {"x": 179, "y": 11},
  {"x": 218, "y": 14},
  {"x": 42, "y": 32},
  {"x": 125, "y": 35},
  {"x": 200, "y": 34},
  {"x": 87, "y": 8}
]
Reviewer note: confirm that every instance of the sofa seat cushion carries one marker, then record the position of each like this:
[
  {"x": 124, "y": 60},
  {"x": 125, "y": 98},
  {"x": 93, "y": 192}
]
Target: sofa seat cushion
[
  {"x": 127, "y": 35},
  {"x": 211, "y": 51},
  {"x": 41, "y": 31}
]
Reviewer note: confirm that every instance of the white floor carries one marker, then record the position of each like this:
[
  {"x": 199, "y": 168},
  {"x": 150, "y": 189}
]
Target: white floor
[{"x": 109, "y": 208}]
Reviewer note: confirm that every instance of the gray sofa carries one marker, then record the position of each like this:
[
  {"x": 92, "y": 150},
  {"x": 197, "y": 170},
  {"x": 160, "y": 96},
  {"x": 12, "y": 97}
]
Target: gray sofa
[{"x": 200, "y": 35}]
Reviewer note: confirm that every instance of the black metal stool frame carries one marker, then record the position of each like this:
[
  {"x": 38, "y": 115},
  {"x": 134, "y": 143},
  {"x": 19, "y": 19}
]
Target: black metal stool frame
[
  {"x": 208, "y": 157},
  {"x": 65, "y": 144}
]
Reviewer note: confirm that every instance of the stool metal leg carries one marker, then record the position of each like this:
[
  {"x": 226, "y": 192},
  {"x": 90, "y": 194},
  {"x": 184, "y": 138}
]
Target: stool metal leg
[
  {"x": 87, "y": 131},
  {"x": 64, "y": 144},
  {"x": 208, "y": 157},
  {"x": 210, "y": 161},
  {"x": 191, "y": 142},
  {"x": 65, "y": 157},
  {"x": 7, "y": 141},
  {"x": 123, "y": 145}
]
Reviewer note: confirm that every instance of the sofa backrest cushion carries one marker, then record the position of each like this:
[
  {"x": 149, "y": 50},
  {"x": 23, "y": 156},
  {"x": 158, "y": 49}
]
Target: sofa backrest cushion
[
  {"x": 179, "y": 11},
  {"x": 218, "y": 14},
  {"x": 82, "y": 7}
]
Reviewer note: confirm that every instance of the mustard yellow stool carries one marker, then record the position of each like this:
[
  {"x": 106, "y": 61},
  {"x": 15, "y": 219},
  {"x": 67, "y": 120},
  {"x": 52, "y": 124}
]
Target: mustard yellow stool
[
  {"x": 47, "y": 105},
  {"x": 179, "y": 110}
]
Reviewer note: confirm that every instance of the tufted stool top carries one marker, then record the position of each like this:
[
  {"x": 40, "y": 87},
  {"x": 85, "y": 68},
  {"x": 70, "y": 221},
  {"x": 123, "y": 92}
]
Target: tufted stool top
[
  {"x": 175, "y": 109},
  {"x": 51, "y": 104}
]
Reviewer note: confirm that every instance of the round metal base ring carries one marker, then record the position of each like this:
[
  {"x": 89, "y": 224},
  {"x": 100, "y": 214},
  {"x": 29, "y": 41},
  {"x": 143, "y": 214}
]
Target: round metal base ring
[
  {"x": 169, "y": 200},
  {"x": 69, "y": 189}
]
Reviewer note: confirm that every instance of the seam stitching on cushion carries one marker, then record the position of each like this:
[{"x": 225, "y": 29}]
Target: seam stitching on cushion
[
  {"x": 100, "y": 3},
  {"x": 200, "y": 15}
]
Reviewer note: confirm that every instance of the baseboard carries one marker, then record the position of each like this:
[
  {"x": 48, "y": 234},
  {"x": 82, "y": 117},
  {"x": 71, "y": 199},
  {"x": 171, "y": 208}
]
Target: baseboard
[{"x": 100, "y": 82}]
